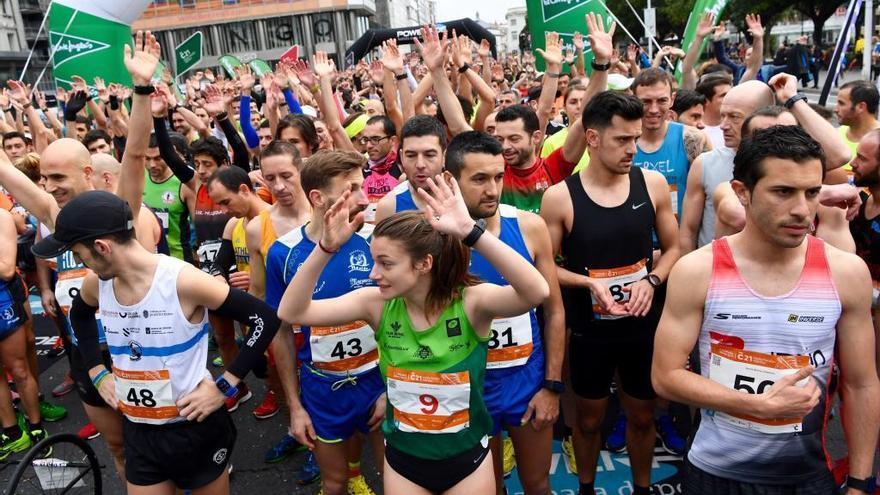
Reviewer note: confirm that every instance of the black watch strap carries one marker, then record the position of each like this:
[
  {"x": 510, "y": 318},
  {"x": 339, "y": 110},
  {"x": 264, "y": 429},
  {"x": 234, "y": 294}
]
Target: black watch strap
[
  {"x": 597, "y": 66},
  {"x": 867, "y": 485},
  {"x": 474, "y": 235},
  {"x": 464, "y": 68},
  {"x": 554, "y": 386},
  {"x": 144, "y": 90},
  {"x": 794, "y": 99},
  {"x": 400, "y": 77}
]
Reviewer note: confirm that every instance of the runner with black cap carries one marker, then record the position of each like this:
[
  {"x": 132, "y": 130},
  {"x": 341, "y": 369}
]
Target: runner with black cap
[{"x": 154, "y": 310}]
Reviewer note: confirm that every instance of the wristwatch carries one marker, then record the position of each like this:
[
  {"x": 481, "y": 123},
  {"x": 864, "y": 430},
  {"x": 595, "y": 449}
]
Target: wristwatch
[
  {"x": 477, "y": 231},
  {"x": 652, "y": 279},
  {"x": 868, "y": 485},
  {"x": 225, "y": 387},
  {"x": 794, "y": 99},
  {"x": 554, "y": 386},
  {"x": 597, "y": 66}
]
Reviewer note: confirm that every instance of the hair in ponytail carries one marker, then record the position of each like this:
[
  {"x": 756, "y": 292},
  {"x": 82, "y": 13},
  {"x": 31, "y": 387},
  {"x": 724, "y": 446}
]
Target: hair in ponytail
[{"x": 451, "y": 258}]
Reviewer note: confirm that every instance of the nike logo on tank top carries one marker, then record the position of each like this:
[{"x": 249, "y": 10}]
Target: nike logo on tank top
[{"x": 749, "y": 341}]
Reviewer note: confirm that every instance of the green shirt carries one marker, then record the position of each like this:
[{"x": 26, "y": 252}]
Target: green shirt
[
  {"x": 164, "y": 199},
  {"x": 450, "y": 347}
]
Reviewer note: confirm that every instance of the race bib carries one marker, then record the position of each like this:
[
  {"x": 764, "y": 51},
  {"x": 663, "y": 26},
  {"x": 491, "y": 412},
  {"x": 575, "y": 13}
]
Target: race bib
[
  {"x": 753, "y": 373},
  {"x": 163, "y": 217},
  {"x": 427, "y": 402},
  {"x": 616, "y": 279},
  {"x": 510, "y": 342},
  {"x": 68, "y": 286},
  {"x": 344, "y": 349},
  {"x": 207, "y": 252},
  {"x": 673, "y": 195},
  {"x": 145, "y": 396}
]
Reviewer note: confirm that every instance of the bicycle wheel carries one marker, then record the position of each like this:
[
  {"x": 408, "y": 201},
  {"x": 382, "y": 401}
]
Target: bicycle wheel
[{"x": 71, "y": 468}]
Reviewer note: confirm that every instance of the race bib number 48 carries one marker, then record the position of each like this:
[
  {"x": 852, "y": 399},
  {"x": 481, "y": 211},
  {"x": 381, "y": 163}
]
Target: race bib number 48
[
  {"x": 427, "y": 402},
  {"x": 145, "y": 396},
  {"x": 753, "y": 373},
  {"x": 616, "y": 279},
  {"x": 345, "y": 348}
]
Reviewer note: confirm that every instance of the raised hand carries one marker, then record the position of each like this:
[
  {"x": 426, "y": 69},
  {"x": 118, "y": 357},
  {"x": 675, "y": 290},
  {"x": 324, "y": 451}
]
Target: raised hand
[
  {"x": 719, "y": 31},
  {"x": 79, "y": 84},
  {"x": 323, "y": 65},
  {"x": 169, "y": 95},
  {"x": 41, "y": 99},
  {"x": 376, "y": 72},
  {"x": 445, "y": 209},
  {"x": 753, "y": 23},
  {"x": 209, "y": 75},
  {"x": 339, "y": 226},
  {"x": 578, "y": 41},
  {"x": 304, "y": 73},
  {"x": 142, "y": 61},
  {"x": 704, "y": 27},
  {"x": 484, "y": 49},
  {"x": 569, "y": 56},
  {"x": 246, "y": 78},
  {"x": 601, "y": 41},
  {"x": 17, "y": 92},
  {"x": 632, "y": 51},
  {"x": 433, "y": 48},
  {"x": 103, "y": 94},
  {"x": 391, "y": 59},
  {"x": 159, "y": 103},
  {"x": 214, "y": 103},
  {"x": 552, "y": 53}
]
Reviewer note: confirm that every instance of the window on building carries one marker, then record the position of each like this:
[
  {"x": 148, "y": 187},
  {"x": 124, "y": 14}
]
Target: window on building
[
  {"x": 283, "y": 32},
  {"x": 13, "y": 42},
  {"x": 187, "y": 3},
  {"x": 512, "y": 22},
  {"x": 238, "y": 37}
]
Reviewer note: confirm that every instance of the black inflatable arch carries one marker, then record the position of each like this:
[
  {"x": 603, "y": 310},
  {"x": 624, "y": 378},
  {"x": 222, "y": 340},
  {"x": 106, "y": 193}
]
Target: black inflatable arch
[{"x": 374, "y": 37}]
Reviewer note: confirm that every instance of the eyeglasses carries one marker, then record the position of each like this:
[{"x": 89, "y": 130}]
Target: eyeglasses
[{"x": 374, "y": 139}]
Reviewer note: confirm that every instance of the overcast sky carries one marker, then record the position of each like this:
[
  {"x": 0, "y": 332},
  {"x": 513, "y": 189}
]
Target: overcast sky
[{"x": 490, "y": 10}]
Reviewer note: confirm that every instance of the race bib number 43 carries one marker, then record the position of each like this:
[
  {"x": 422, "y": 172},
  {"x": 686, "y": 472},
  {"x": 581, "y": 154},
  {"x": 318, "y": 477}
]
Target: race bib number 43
[
  {"x": 345, "y": 348},
  {"x": 616, "y": 279},
  {"x": 145, "y": 396},
  {"x": 427, "y": 402},
  {"x": 753, "y": 373}
]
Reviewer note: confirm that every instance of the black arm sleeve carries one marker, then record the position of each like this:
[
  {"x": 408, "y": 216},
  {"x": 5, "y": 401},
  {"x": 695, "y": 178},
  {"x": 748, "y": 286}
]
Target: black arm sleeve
[
  {"x": 180, "y": 168},
  {"x": 248, "y": 310},
  {"x": 225, "y": 258},
  {"x": 85, "y": 328},
  {"x": 240, "y": 155}
]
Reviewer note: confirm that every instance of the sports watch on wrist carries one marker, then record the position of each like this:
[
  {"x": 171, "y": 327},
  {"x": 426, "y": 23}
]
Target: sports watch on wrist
[
  {"x": 652, "y": 279},
  {"x": 225, "y": 387},
  {"x": 868, "y": 485},
  {"x": 554, "y": 386}
]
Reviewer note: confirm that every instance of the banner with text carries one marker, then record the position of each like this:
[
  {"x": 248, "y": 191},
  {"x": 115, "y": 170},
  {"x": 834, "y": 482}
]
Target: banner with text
[
  {"x": 690, "y": 30},
  {"x": 564, "y": 17},
  {"x": 188, "y": 54}
]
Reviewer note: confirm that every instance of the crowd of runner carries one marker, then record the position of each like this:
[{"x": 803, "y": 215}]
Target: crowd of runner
[{"x": 445, "y": 254}]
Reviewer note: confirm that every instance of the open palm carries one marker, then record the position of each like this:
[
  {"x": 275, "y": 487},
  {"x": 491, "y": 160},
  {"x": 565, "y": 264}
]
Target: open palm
[{"x": 141, "y": 61}]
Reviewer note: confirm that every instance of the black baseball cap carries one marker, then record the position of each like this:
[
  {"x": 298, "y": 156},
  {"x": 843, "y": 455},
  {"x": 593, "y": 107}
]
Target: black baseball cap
[{"x": 89, "y": 215}]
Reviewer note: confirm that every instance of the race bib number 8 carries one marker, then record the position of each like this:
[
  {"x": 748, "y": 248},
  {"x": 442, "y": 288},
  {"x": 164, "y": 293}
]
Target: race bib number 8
[
  {"x": 753, "y": 373},
  {"x": 427, "y": 402},
  {"x": 510, "y": 342},
  {"x": 145, "y": 396},
  {"x": 344, "y": 349},
  {"x": 616, "y": 279}
]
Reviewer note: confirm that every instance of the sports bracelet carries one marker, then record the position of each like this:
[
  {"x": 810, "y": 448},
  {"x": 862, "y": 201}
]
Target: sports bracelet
[
  {"x": 96, "y": 381},
  {"x": 321, "y": 245},
  {"x": 144, "y": 90}
]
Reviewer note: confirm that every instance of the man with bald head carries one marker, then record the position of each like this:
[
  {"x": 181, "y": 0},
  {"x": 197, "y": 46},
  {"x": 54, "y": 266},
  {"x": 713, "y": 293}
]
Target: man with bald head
[{"x": 716, "y": 166}]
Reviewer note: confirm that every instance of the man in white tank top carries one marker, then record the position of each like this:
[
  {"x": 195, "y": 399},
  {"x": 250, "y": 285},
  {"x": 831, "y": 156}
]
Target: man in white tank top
[{"x": 768, "y": 310}]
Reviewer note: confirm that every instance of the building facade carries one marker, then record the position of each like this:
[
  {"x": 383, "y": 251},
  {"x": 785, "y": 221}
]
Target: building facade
[
  {"x": 262, "y": 29},
  {"x": 516, "y": 22},
  {"x": 405, "y": 13},
  {"x": 19, "y": 32}
]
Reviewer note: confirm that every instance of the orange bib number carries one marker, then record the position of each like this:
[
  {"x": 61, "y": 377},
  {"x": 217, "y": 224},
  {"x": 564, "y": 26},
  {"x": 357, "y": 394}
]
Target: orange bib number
[
  {"x": 427, "y": 402},
  {"x": 753, "y": 373},
  {"x": 67, "y": 287},
  {"x": 616, "y": 279},
  {"x": 344, "y": 349},
  {"x": 145, "y": 396},
  {"x": 510, "y": 342}
]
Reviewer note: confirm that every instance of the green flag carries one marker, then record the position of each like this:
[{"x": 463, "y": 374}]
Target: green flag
[
  {"x": 690, "y": 31},
  {"x": 564, "y": 17},
  {"x": 189, "y": 53},
  {"x": 87, "y": 38},
  {"x": 259, "y": 67},
  {"x": 229, "y": 63}
]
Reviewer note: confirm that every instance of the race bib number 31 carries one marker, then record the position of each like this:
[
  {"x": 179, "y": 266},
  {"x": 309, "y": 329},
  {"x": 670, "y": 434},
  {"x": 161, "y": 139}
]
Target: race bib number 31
[
  {"x": 427, "y": 402},
  {"x": 510, "y": 342},
  {"x": 753, "y": 373},
  {"x": 145, "y": 396},
  {"x": 345, "y": 348},
  {"x": 616, "y": 279}
]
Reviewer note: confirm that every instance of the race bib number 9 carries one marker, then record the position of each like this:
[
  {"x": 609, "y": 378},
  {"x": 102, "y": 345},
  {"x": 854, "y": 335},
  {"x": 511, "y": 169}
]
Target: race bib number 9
[
  {"x": 208, "y": 253},
  {"x": 753, "y": 373},
  {"x": 68, "y": 286},
  {"x": 427, "y": 402},
  {"x": 616, "y": 279},
  {"x": 145, "y": 396},
  {"x": 510, "y": 342},
  {"x": 344, "y": 349}
]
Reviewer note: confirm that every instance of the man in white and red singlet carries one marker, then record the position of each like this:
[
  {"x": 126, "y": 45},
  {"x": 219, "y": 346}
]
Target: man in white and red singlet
[{"x": 766, "y": 309}]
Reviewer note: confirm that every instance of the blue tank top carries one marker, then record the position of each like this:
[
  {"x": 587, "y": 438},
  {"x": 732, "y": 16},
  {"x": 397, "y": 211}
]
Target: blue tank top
[
  {"x": 348, "y": 270},
  {"x": 670, "y": 160},
  {"x": 509, "y": 350},
  {"x": 403, "y": 198},
  {"x": 67, "y": 287}
]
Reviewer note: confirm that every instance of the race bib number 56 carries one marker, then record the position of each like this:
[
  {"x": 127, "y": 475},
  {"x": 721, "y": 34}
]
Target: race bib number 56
[{"x": 754, "y": 373}]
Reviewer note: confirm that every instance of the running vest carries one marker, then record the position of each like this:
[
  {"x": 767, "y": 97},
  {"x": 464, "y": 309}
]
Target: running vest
[
  {"x": 158, "y": 355},
  {"x": 164, "y": 199},
  {"x": 239, "y": 246},
  {"x": 513, "y": 342},
  {"x": 866, "y": 234},
  {"x": 610, "y": 244},
  {"x": 434, "y": 382},
  {"x": 210, "y": 221},
  {"x": 70, "y": 279},
  {"x": 403, "y": 198},
  {"x": 671, "y": 160},
  {"x": 747, "y": 342},
  {"x": 267, "y": 233},
  {"x": 852, "y": 145},
  {"x": 717, "y": 168},
  {"x": 716, "y": 136},
  {"x": 343, "y": 349}
]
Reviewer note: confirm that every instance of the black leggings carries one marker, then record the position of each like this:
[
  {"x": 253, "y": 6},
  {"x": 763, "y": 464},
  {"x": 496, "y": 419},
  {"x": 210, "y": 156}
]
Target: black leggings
[{"x": 436, "y": 476}]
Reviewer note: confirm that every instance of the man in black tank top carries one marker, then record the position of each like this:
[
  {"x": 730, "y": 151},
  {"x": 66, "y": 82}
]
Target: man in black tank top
[{"x": 601, "y": 221}]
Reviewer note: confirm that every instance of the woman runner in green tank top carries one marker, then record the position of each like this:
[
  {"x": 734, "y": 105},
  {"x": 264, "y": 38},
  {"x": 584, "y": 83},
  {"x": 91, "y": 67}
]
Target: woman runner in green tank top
[{"x": 432, "y": 322}]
